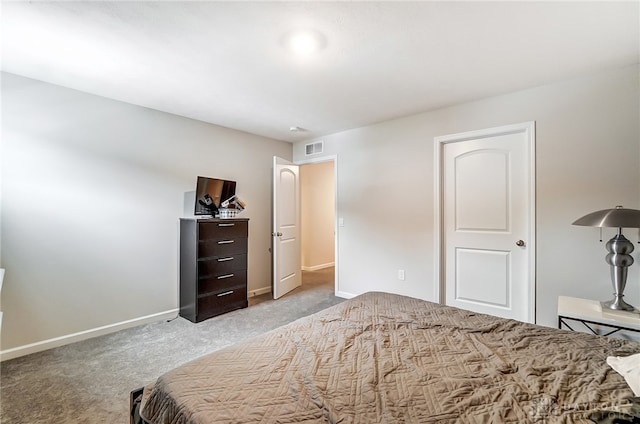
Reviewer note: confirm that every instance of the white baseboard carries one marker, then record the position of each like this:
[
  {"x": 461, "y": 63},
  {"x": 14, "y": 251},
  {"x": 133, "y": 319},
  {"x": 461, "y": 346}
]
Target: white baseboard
[
  {"x": 84, "y": 335},
  {"x": 317, "y": 267},
  {"x": 345, "y": 295},
  {"x": 258, "y": 292}
]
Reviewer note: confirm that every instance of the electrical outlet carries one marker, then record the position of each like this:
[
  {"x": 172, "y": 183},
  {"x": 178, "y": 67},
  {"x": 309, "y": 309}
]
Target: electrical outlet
[{"x": 401, "y": 274}]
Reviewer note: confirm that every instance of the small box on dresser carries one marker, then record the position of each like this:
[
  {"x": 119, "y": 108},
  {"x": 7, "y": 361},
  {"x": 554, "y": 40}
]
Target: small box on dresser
[{"x": 213, "y": 267}]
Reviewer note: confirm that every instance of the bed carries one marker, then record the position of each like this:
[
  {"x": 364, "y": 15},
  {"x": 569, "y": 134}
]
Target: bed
[{"x": 385, "y": 358}]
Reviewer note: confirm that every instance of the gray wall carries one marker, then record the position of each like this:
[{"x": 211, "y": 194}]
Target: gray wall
[
  {"x": 588, "y": 146},
  {"x": 91, "y": 196}
]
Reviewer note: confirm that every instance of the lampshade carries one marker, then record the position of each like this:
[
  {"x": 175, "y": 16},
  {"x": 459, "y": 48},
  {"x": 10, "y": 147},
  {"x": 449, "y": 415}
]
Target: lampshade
[{"x": 615, "y": 218}]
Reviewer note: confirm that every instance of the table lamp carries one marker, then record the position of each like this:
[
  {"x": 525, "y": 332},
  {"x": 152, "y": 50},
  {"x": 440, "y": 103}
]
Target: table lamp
[{"x": 619, "y": 248}]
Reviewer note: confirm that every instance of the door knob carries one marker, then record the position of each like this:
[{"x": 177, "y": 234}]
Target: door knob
[
  {"x": 279, "y": 234},
  {"x": 520, "y": 243}
]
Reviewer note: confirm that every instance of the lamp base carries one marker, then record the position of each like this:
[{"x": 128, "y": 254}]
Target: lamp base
[{"x": 617, "y": 304}]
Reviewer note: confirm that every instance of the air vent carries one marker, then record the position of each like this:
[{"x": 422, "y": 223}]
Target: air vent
[{"x": 313, "y": 148}]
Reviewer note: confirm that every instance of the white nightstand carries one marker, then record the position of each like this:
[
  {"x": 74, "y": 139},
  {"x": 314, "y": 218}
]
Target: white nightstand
[{"x": 589, "y": 312}]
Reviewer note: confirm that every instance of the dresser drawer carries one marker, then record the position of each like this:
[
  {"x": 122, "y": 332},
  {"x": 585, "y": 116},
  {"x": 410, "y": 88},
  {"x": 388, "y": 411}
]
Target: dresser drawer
[
  {"x": 223, "y": 230},
  {"x": 222, "y": 282},
  {"x": 216, "y": 304},
  {"x": 221, "y": 247},
  {"x": 219, "y": 265}
]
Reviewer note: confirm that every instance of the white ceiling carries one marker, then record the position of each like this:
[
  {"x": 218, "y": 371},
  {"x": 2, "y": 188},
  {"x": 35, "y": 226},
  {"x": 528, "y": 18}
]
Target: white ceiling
[{"x": 225, "y": 63}]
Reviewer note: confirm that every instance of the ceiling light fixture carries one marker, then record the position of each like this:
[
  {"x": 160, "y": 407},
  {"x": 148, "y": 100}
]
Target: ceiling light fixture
[{"x": 304, "y": 43}]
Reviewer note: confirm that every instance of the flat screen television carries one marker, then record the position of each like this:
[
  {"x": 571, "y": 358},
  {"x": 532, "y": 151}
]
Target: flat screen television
[{"x": 210, "y": 192}]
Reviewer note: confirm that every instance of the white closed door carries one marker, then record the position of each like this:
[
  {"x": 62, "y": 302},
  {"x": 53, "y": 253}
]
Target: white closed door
[
  {"x": 487, "y": 223},
  {"x": 287, "y": 273}
]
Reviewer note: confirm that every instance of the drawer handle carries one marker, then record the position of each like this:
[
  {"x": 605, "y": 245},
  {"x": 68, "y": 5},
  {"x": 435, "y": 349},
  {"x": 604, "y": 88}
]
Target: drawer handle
[
  {"x": 222, "y": 277},
  {"x": 226, "y": 241},
  {"x": 230, "y": 258},
  {"x": 227, "y": 293},
  {"x": 226, "y": 225}
]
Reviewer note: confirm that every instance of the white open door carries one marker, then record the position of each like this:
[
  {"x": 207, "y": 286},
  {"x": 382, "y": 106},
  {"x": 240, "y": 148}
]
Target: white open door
[{"x": 287, "y": 273}]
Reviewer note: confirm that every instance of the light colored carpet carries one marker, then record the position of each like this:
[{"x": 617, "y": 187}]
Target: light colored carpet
[{"x": 90, "y": 381}]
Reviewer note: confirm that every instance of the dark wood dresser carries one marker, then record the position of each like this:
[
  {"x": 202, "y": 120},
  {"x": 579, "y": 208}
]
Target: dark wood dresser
[{"x": 213, "y": 267}]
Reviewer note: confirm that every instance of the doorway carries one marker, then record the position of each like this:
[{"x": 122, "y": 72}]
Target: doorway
[
  {"x": 318, "y": 220},
  {"x": 318, "y": 191},
  {"x": 317, "y": 213}
]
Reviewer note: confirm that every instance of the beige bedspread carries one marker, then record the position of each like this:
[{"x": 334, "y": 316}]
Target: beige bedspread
[{"x": 383, "y": 358}]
